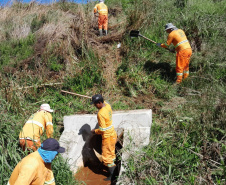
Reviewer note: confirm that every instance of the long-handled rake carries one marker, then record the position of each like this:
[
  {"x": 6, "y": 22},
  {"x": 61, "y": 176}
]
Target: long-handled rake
[{"x": 136, "y": 33}]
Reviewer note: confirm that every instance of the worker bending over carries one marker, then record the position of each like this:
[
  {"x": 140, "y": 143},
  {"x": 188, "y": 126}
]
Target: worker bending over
[
  {"x": 33, "y": 129},
  {"x": 183, "y": 48},
  {"x": 34, "y": 169},
  {"x": 107, "y": 131},
  {"x": 102, "y": 10}
]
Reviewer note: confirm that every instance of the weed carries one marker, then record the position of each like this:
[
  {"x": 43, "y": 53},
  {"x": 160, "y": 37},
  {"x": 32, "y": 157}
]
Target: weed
[
  {"x": 187, "y": 144},
  {"x": 55, "y": 63},
  {"x": 16, "y": 50},
  {"x": 36, "y": 24}
]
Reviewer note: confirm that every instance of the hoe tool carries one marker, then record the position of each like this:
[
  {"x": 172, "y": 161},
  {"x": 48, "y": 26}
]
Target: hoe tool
[{"x": 136, "y": 33}]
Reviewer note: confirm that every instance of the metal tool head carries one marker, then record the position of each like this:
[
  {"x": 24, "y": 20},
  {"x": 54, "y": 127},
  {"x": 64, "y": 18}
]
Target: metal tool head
[{"x": 134, "y": 33}]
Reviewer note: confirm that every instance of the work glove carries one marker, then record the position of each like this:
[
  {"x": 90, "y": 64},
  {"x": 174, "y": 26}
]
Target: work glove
[{"x": 158, "y": 44}]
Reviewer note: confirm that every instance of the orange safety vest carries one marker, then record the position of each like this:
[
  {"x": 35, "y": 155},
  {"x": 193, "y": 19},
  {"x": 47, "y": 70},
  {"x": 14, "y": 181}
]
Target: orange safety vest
[
  {"x": 101, "y": 8},
  {"x": 36, "y": 125},
  {"x": 104, "y": 116},
  {"x": 179, "y": 40},
  {"x": 33, "y": 171}
]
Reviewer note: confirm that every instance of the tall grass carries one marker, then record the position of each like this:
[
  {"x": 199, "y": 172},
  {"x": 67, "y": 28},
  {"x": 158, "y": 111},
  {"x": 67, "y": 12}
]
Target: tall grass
[
  {"x": 188, "y": 141},
  {"x": 34, "y": 60}
]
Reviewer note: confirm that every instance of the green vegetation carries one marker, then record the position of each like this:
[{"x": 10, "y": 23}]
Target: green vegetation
[
  {"x": 188, "y": 135},
  {"x": 14, "y": 51}
]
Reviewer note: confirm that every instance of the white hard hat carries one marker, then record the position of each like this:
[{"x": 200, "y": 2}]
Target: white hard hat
[
  {"x": 46, "y": 107},
  {"x": 169, "y": 26}
]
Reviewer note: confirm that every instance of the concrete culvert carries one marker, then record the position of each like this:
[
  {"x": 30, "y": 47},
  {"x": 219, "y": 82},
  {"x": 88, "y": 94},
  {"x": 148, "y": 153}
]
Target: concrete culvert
[{"x": 83, "y": 149}]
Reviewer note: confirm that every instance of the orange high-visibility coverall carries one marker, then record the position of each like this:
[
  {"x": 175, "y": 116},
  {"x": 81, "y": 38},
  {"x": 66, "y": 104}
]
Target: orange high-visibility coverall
[
  {"x": 34, "y": 128},
  {"x": 109, "y": 136},
  {"x": 32, "y": 170},
  {"x": 102, "y": 9},
  {"x": 184, "y": 52}
]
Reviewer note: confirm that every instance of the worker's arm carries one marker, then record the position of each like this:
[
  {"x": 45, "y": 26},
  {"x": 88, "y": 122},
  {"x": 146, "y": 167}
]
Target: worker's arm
[
  {"x": 102, "y": 124},
  {"x": 95, "y": 9},
  {"x": 50, "y": 177},
  {"x": 49, "y": 125},
  {"x": 26, "y": 174},
  {"x": 169, "y": 41}
]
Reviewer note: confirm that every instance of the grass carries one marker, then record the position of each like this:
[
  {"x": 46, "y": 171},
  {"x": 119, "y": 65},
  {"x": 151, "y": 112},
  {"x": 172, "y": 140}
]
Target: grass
[
  {"x": 172, "y": 161},
  {"x": 187, "y": 144},
  {"x": 16, "y": 50}
]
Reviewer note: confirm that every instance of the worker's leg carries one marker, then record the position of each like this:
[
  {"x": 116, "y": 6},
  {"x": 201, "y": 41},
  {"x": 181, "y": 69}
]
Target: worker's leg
[
  {"x": 187, "y": 55},
  {"x": 113, "y": 143},
  {"x": 100, "y": 33},
  {"x": 29, "y": 144},
  {"x": 179, "y": 67},
  {"x": 108, "y": 154},
  {"x": 108, "y": 150},
  {"x": 50, "y": 177},
  {"x": 105, "y": 24},
  {"x": 23, "y": 144},
  {"x": 100, "y": 24}
]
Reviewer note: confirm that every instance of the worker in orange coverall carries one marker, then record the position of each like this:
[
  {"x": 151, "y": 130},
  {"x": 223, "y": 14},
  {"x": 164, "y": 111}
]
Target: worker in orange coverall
[
  {"x": 183, "y": 48},
  {"x": 33, "y": 129},
  {"x": 34, "y": 169},
  {"x": 107, "y": 131},
  {"x": 102, "y": 10}
]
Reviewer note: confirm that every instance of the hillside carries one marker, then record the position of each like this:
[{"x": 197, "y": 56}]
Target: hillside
[{"x": 47, "y": 48}]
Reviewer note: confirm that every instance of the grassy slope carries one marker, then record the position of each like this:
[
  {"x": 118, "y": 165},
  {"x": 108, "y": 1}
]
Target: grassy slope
[
  {"x": 187, "y": 118},
  {"x": 191, "y": 115}
]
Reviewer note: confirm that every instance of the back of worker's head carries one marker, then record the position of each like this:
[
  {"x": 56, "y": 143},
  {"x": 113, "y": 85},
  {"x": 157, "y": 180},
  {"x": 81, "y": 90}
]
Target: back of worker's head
[
  {"x": 49, "y": 149},
  {"x": 170, "y": 26},
  {"x": 101, "y": 1},
  {"x": 97, "y": 98}
]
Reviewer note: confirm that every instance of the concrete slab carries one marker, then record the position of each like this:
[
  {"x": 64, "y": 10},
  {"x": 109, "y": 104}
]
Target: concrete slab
[{"x": 79, "y": 142}]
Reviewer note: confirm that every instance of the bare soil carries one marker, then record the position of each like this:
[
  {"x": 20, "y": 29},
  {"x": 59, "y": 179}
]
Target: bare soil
[{"x": 95, "y": 176}]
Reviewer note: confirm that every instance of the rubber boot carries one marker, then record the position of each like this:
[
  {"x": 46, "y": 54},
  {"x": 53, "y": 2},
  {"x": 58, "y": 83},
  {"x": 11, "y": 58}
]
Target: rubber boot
[
  {"x": 111, "y": 171},
  {"x": 106, "y": 32},
  {"x": 100, "y": 33}
]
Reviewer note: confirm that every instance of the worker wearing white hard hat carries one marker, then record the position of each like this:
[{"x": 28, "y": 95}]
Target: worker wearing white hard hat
[
  {"x": 178, "y": 38},
  {"x": 38, "y": 122}
]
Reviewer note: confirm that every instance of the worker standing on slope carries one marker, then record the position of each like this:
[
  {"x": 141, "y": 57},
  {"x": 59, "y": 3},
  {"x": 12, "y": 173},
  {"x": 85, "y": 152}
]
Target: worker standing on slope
[
  {"x": 34, "y": 169},
  {"x": 107, "y": 131},
  {"x": 102, "y": 9},
  {"x": 183, "y": 48},
  {"x": 33, "y": 129}
]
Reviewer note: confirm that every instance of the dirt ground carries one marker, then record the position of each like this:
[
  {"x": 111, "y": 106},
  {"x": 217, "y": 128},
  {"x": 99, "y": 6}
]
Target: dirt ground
[
  {"x": 92, "y": 177},
  {"x": 95, "y": 173}
]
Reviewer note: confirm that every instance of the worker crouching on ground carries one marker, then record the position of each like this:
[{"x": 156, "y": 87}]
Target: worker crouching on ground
[
  {"x": 183, "y": 48},
  {"x": 33, "y": 129},
  {"x": 107, "y": 131},
  {"x": 102, "y": 10},
  {"x": 34, "y": 169}
]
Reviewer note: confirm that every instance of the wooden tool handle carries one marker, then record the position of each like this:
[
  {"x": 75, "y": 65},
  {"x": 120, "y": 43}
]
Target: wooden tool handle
[{"x": 76, "y": 94}]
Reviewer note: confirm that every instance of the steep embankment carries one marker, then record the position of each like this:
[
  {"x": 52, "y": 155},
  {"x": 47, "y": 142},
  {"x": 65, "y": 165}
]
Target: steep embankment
[
  {"x": 47, "y": 48},
  {"x": 61, "y": 36}
]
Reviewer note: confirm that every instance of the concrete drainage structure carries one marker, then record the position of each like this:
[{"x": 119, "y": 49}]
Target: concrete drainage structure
[{"x": 82, "y": 146}]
